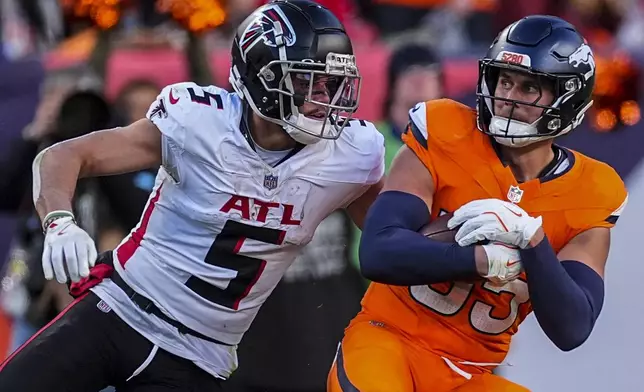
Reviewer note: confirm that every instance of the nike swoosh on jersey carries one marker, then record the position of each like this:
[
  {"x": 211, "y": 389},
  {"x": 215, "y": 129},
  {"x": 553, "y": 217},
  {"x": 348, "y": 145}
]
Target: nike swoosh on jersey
[{"x": 173, "y": 100}]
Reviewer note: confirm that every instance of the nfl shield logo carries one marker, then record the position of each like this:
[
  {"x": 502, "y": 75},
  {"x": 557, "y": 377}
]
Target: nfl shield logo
[
  {"x": 515, "y": 194},
  {"x": 270, "y": 182},
  {"x": 105, "y": 308}
]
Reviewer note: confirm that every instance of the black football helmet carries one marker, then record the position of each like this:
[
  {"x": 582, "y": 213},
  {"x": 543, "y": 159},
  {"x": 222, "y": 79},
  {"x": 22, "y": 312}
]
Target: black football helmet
[
  {"x": 280, "y": 52},
  {"x": 554, "y": 52}
]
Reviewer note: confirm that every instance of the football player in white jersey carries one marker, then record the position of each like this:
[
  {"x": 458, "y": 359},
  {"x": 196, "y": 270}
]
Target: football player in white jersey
[{"x": 244, "y": 180}]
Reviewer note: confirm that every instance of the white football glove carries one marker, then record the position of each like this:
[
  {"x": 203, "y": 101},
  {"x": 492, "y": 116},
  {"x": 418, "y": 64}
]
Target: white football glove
[
  {"x": 68, "y": 249},
  {"x": 493, "y": 220},
  {"x": 504, "y": 263}
]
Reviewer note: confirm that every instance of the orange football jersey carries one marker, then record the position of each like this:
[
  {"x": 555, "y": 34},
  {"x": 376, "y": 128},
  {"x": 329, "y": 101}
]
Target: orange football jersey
[{"x": 474, "y": 321}]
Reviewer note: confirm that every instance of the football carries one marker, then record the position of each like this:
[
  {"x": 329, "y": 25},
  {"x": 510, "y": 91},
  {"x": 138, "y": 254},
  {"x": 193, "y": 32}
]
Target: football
[{"x": 437, "y": 229}]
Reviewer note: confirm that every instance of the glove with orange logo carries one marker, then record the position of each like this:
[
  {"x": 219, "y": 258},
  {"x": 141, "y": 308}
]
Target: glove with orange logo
[
  {"x": 504, "y": 263},
  {"x": 494, "y": 220}
]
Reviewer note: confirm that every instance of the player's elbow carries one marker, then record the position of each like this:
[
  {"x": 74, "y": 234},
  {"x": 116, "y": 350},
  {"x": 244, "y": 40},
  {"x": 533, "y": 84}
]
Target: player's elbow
[
  {"x": 373, "y": 255},
  {"x": 569, "y": 338},
  {"x": 371, "y": 272},
  {"x": 370, "y": 266},
  {"x": 570, "y": 342}
]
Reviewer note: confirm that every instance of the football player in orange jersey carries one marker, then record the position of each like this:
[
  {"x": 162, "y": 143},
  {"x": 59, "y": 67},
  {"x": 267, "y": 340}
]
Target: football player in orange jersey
[{"x": 533, "y": 223}]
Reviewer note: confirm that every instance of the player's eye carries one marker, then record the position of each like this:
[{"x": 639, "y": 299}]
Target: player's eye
[
  {"x": 303, "y": 76},
  {"x": 300, "y": 83},
  {"x": 332, "y": 83},
  {"x": 505, "y": 83},
  {"x": 531, "y": 88}
]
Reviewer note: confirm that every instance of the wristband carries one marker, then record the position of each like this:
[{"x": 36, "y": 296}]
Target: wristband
[{"x": 55, "y": 215}]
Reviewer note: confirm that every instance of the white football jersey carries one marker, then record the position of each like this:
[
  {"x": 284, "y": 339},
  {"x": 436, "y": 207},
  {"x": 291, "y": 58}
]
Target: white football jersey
[{"x": 221, "y": 226}]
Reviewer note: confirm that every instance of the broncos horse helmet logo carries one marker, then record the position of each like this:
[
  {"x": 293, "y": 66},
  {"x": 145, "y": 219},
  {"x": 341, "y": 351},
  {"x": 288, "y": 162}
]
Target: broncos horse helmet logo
[
  {"x": 263, "y": 28},
  {"x": 583, "y": 55}
]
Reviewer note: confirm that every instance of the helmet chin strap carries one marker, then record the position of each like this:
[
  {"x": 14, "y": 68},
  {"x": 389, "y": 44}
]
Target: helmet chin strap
[
  {"x": 518, "y": 132},
  {"x": 297, "y": 121}
]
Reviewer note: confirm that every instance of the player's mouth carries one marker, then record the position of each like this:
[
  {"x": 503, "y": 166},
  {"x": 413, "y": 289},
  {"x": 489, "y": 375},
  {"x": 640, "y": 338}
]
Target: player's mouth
[
  {"x": 515, "y": 116},
  {"x": 522, "y": 119},
  {"x": 316, "y": 114}
]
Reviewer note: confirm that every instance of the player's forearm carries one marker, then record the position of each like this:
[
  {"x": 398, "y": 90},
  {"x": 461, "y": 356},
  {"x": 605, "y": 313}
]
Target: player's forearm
[
  {"x": 55, "y": 174},
  {"x": 393, "y": 252},
  {"x": 566, "y": 296}
]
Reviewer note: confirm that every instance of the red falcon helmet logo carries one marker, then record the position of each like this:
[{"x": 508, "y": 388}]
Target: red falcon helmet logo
[{"x": 263, "y": 28}]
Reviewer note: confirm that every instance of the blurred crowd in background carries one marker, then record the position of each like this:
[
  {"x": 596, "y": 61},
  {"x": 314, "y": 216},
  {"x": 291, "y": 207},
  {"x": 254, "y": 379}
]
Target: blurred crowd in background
[{"x": 69, "y": 67}]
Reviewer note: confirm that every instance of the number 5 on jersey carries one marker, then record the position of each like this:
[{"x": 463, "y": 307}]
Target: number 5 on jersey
[{"x": 224, "y": 253}]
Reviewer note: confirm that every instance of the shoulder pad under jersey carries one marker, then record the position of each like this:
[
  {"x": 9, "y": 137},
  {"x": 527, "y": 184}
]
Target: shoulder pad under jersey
[
  {"x": 441, "y": 121},
  {"x": 189, "y": 114},
  {"x": 602, "y": 195},
  {"x": 364, "y": 146}
]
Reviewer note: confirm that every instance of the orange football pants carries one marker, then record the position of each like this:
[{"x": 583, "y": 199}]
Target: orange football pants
[{"x": 375, "y": 358}]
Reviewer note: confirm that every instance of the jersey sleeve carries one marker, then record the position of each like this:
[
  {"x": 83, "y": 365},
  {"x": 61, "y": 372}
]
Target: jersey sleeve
[
  {"x": 416, "y": 138},
  {"x": 614, "y": 215},
  {"x": 369, "y": 165},
  {"x": 605, "y": 198},
  {"x": 360, "y": 157},
  {"x": 376, "y": 158},
  {"x": 610, "y": 210},
  {"x": 169, "y": 112},
  {"x": 186, "y": 115},
  {"x": 438, "y": 133}
]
